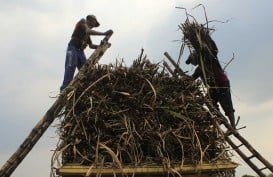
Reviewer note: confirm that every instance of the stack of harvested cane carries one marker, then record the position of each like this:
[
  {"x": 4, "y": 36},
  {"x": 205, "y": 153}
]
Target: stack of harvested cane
[{"x": 138, "y": 115}]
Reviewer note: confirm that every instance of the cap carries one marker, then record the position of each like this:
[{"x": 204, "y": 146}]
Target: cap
[{"x": 93, "y": 17}]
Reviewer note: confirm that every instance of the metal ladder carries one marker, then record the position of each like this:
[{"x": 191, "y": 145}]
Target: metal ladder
[{"x": 244, "y": 143}]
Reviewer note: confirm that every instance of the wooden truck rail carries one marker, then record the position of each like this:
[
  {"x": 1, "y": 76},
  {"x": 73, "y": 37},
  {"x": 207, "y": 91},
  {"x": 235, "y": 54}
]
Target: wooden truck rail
[{"x": 205, "y": 170}]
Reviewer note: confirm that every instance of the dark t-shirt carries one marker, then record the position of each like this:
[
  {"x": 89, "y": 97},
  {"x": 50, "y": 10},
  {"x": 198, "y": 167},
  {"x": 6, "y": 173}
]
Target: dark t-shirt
[{"x": 79, "y": 37}]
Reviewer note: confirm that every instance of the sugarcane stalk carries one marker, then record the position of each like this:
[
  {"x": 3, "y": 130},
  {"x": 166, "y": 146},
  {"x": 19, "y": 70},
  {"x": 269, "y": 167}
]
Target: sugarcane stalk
[
  {"x": 177, "y": 68},
  {"x": 168, "y": 68}
]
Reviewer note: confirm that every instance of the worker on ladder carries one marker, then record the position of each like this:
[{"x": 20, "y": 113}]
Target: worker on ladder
[
  {"x": 212, "y": 74},
  {"x": 80, "y": 39}
]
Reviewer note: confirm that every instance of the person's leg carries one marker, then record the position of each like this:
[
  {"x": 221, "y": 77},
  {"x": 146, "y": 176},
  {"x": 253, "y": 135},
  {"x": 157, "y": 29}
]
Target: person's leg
[
  {"x": 231, "y": 118},
  {"x": 81, "y": 59},
  {"x": 70, "y": 66},
  {"x": 213, "y": 93},
  {"x": 226, "y": 103}
]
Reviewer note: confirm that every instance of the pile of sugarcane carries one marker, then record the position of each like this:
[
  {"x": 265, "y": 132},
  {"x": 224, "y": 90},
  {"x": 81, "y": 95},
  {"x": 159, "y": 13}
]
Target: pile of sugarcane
[
  {"x": 145, "y": 114},
  {"x": 138, "y": 115}
]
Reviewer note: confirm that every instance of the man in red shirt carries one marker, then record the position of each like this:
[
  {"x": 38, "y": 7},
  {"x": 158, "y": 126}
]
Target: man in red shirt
[
  {"x": 213, "y": 76},
  {"x": 80, "y": 39}
]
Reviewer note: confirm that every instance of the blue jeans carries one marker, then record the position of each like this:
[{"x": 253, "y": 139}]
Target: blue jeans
[{"x": 74, "y": 58}]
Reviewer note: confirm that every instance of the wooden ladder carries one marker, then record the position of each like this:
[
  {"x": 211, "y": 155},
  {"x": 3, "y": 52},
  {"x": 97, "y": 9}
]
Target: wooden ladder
[
  {"x": 231, "y": 131},
  {"x": 14, "y": 161},
  {"x": 244, "y": 143}
]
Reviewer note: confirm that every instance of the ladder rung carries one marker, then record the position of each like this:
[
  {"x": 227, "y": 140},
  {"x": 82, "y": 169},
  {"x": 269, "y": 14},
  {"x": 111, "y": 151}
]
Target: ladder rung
[
  {"x": 228, "y": 133},
  {"x": 261, "y": 169},
  {"x": 239, "y": 146},
  {"x": 251, "y": 157}
]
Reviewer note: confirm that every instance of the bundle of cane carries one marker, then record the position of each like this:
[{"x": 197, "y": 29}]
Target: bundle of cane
[{"x": 138, "y": 115}]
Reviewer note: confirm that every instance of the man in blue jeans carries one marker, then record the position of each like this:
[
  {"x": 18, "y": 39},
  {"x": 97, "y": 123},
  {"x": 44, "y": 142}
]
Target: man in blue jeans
[{"x": 80, "y": 39}]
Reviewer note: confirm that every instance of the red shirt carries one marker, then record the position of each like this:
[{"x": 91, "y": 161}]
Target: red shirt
[{"x": 215, "y": 76}]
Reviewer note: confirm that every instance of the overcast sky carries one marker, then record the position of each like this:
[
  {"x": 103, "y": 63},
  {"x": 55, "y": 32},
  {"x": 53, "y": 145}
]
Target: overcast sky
[{"x": 34, "y": 37}]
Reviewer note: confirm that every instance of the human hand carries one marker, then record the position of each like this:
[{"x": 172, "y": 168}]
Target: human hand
[{"x": 109, "y": 32}]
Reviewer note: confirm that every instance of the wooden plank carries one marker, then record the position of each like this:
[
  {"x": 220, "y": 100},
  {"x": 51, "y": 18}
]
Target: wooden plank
[{"x": 152, "y": 170}]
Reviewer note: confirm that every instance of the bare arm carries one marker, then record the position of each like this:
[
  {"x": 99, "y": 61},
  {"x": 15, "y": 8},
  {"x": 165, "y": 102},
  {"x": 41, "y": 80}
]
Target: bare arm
[
  {"x": 90, "y": 31},
  {"x": 93, "y": 32}
]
